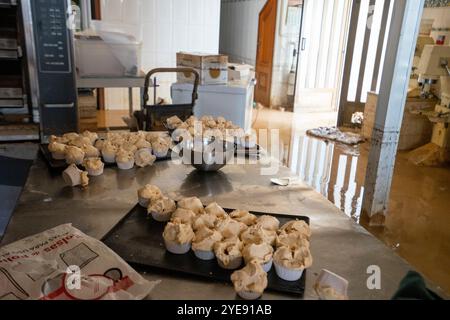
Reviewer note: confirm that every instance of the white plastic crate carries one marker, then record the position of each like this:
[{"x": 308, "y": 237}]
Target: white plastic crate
[{"x": 98, "y": 57}]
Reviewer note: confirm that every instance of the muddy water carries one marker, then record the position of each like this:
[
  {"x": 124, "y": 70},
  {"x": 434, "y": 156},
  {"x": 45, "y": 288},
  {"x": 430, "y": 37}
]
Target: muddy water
[{"x": 418, "y": 221}]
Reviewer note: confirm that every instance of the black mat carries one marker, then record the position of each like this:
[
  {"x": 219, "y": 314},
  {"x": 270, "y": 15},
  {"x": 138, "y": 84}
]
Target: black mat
[
  {"x": 138, "y": 240},
  {"x": 13, "y": 176},
  {"x": 14, "y": 172}
]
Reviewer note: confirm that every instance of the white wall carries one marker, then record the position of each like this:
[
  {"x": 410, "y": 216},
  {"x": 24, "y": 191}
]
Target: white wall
[
  {"x": 170, "y": 26},
  {"x": 441, "y": 16},
  {"x": 239, "y": 29}
]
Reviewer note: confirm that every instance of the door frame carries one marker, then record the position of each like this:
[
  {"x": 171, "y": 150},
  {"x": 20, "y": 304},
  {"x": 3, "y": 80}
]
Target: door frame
[
  {"x": 268, "y": 2},
  {"x": 97, "y": 15},
  {"x": 339, "y": 73},
  {"x": 300, "y": 42}
]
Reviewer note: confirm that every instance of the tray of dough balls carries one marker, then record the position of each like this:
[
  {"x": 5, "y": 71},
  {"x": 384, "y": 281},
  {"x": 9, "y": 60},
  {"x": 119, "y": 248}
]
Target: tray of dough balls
[
  {"x": 255, "y": 251},
  {"x": 245, "y": 143},
  {"x": 125, "y": 150}
]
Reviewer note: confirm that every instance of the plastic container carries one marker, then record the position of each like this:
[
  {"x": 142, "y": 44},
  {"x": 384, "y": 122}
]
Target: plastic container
[
  {"x": 98, "y": 57},
  {"x": 113, "y": 46},
  {"x": 121, "y": 17}
]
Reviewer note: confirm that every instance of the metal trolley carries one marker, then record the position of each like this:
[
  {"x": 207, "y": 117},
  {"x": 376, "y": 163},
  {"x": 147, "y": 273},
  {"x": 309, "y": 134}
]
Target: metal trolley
[{"x": 153, "y": 117}]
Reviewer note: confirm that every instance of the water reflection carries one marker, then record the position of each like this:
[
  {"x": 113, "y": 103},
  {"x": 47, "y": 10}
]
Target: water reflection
[
  {"x": 331, "y": 170},
  {"x": 203, "y": 184}
]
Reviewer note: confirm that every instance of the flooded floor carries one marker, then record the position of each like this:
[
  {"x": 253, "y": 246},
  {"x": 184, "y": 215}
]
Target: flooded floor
[{"x": 418, "y": 222}]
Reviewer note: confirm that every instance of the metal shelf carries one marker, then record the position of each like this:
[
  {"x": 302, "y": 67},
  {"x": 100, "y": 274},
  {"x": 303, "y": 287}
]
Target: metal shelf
[
  {"x": 11, "y": 93},
  {"x": 12, "y": 103},
  {"x": 8, "y": 44},
  {"x": 8, "y": 3},
  {"x": 9, "y": 54}
]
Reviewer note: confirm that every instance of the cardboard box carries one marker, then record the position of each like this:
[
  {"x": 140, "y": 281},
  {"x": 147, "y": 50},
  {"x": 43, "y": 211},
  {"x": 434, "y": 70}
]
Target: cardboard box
[
  {"x": 237, "y": 72},
  {"x": 213, "y": 69}
]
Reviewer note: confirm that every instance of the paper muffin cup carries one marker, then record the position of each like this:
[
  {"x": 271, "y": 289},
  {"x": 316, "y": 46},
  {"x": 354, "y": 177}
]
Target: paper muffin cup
[
  {"x": 58, "y": 155},
  {"x": 72, "y": 176},
  {"x": 77, "y": 162},
  {"x": 204, "y": 255},
  {"x": 267, "y": 266},
  {"x": 161, "y": 155},
  {"x": 143, "y": 202},
  {"x": 233, "y": 265},
  {"x": 249, "y": 295},
  {"x": 109, "y": 157},
  {"x": 177, "y": 248},
  {"x": 95, "y": 172},
  {"x": 126, "y": 165},
  {"x": 288, "y": 274},
  {"x": 161, "y": 217}
]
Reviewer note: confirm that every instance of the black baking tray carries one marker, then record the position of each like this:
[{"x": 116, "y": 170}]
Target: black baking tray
[
  {"x": 59, "y": 166},
  {"x": 54, "y": 165},
  {"x": 137, "y": 238}
]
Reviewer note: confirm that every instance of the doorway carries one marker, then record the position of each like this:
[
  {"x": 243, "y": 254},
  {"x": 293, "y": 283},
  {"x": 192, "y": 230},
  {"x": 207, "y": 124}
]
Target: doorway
[
  {"x": 322, "y": 43},
  {"x": 278, "y": 43},
  {"x": 265, "y": 35},
  {"x": 367, "y": 41},
  {"x": 265, "y": 52}
]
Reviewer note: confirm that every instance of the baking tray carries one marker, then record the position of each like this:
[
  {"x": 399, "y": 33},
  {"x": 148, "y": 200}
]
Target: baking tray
[
  {"x": 54, "y": 165},
  {"x": 138, "y": 239},
  {"x": 61, "y": 165}
]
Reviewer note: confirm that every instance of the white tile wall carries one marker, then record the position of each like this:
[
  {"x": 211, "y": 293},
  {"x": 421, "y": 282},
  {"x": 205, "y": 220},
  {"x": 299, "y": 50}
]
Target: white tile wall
[
  {"x": 239, "y": 29},
  {"x": 169, "y": 26}
]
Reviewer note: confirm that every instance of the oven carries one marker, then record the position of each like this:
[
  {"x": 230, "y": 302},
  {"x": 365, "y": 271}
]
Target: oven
[{"x": 38, "y": 95}]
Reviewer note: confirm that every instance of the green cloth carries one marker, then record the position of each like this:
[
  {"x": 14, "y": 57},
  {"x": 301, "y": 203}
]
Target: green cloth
[{"x": 413, "y": 287}]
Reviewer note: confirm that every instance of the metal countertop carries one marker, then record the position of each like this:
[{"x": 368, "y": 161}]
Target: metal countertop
[{"x": 338, "y": 243}]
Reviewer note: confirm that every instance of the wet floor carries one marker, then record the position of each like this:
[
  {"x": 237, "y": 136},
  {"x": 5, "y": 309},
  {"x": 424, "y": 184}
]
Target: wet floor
[{"x": 418, "y": 222}]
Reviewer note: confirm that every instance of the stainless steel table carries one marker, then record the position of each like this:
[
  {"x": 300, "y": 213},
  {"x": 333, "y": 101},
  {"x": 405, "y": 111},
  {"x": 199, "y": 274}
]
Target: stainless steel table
[
  {"x": 338, "y": 244},
  {"x": 116, "y": 82}
]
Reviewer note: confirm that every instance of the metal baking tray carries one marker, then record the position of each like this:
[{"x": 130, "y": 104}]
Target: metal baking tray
[
  {"x": 54, "y": 165},
  {"x": 137, "y": 238},
  {"x": 61, "y": 165}
]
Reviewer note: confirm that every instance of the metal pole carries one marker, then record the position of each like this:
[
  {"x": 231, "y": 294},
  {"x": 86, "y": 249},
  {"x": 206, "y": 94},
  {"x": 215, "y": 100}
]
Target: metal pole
[{"x": 86, "y": 14}]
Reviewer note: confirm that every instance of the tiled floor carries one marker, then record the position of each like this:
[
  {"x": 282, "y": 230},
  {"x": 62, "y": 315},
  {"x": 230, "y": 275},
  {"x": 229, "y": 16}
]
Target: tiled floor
[{"x": 418, "y": 221}]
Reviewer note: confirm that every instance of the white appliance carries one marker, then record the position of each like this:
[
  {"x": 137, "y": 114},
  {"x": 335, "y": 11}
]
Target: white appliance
[{"x": 233, "y": 101}]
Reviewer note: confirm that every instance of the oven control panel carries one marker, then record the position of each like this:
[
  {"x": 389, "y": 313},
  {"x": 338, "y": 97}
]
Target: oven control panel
[
  {"x": 53, "y": 42},
  {"x": 50, "y": 19}
]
